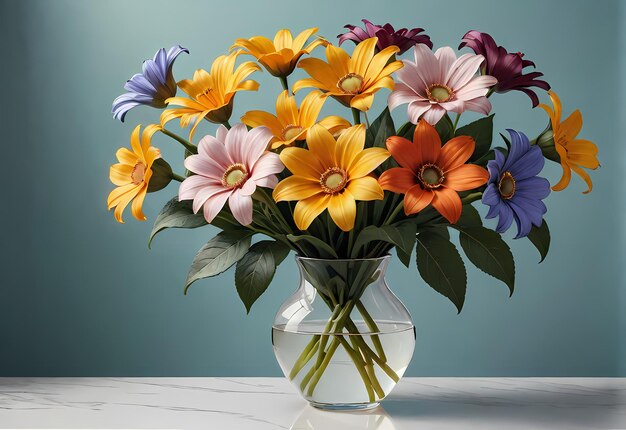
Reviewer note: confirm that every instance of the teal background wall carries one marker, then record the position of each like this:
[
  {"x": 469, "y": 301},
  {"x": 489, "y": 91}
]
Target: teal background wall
[{"x": 82, "y": 295}]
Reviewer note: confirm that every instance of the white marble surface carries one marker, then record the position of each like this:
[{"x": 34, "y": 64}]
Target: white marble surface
[{"x": 271, "y": 403}]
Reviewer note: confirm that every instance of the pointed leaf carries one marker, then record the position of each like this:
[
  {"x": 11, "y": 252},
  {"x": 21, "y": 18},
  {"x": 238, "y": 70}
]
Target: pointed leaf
[
  {"x": 488, "y": 252},
  {"x": 441, "y": 266},
  {"x": 482, "y": 133},
  {"x": 311, "y": 246},
  {"x": 469, "y": 217},
  {"x": 176, "y": 214},
  {"x": 540, "y": 237},
  {"x": 401, "y": 235},
  {"x": 444, "y": 128},
  {"x": 255, "y": 271},
  {"x": 218, "y": 255}
]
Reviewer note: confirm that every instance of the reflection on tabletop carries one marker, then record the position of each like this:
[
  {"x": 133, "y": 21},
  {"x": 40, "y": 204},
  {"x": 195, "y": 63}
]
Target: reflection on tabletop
[{"x": 316, "y": 419}]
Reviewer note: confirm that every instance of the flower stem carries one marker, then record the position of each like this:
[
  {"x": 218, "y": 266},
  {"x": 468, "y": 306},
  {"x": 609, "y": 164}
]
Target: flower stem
[
  {"x": 372, "y": 326},
  {"x": 456, "y": 122},
  {"x": 320, "y": 370},
  {"x": 284, "y": 82},
  {"x": 188, "y": 145},
  {"x": 367, "y": 120},
  {"x": 356, "y": 115},
  {"x": 471, "y": 198},
  {"x": 177, "y": 177},
  {"x": 395, "y": 212},
  {"x": 226, "y": 124}
]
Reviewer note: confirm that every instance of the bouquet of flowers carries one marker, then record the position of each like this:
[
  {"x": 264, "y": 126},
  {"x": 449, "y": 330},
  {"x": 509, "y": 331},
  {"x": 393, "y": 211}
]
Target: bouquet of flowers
[{"x": 349, "y": 189}]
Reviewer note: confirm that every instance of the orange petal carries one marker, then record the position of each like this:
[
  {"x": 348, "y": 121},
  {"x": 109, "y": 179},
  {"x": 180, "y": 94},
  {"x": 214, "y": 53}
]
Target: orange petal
[
  {"x": 404, "y": 152},
  {"x": 448, "y": 204},
  {"x": 580, "y": 172},
  {"x": 342, "y": 209},
  {"x": 416, "y": 199},
  {"x": 567, "y": 172},
  {"x": 455, "y": 153},
  {"x": 296, "y": 188},
  {"x": 466, "y": 177},
  {"x": 365, "y": 189},
  {"x": 427, "y": 141},
  {"x": 571, "y": 126},
  {"x": 398, "y": 180},
  {"x": 309, "y": 209}
]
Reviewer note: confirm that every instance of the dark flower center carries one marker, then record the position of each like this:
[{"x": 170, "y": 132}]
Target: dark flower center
[
  {"x": 506, "y": 186},
  {"x": 333, "y": 180},
  {"x": 439, "y": 93},
  {"x": 234, "y": 176},
  {"x": 431, "y": 176}
]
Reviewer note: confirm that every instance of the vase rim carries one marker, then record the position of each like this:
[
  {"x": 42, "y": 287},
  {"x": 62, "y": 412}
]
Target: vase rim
[{"x": 342, "y": 260}]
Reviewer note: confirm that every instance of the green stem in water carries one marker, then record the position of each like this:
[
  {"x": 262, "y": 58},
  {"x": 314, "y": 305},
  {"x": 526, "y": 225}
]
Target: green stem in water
[
  {"x": 284, "y": 82},
  {"x": 360, "y": 367},
  {"x": 356, "y": 114},
  {"x": 372, "y": 326},
  {"x": 188, "y": 145},
  {"x": 320, "y": 370},
  {"x": 305, "y": 356}
]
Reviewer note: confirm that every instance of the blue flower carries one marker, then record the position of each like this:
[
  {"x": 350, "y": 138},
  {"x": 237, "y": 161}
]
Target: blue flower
[
  {"x": 151, "y": 87},
  {"x": 514, "y": 191}
]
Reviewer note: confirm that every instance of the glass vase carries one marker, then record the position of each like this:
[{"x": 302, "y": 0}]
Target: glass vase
[{"x": 343, "y": 338}]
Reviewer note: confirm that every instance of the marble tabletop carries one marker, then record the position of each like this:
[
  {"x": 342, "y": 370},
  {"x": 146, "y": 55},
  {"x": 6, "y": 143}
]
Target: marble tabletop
[{"x": 271, "y": 403}]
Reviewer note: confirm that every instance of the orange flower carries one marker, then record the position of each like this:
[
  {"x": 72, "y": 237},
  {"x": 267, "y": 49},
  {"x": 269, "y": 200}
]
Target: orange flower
[
  {"x": 133, "y": 172},
  {"x": 280, "y": 56},
  {"x": 353, "y": 81},
  {"x": 574, "y": 153},
  {"x": 290, "y": 123},
  {"x": 430, "y": 174}
]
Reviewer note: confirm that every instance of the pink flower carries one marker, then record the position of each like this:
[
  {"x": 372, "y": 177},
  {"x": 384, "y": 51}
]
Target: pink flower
[
  {"x": 439, "y": 82},
  {"x": 229, "y": 167}
]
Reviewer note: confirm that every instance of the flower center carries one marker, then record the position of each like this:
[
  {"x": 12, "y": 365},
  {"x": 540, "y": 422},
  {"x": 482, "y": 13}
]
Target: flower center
[
  {"x": 138, "y": 173},
  {"x": 291, "y": 131},
  {"x": 333, "y": 180},
  {"x": 351, "y": 83},
  {"x": 234, "y": 176},
  {"x": 506, "y": 186},
  {"x": 431, "y": 176},
  {"x": 439, "y": 93}
]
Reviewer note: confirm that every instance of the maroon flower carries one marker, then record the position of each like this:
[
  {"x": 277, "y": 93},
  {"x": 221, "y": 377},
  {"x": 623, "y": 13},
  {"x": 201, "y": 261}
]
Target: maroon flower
[
  {"x": 387, "y": 36},
  {"x": 504, "y": 66}
]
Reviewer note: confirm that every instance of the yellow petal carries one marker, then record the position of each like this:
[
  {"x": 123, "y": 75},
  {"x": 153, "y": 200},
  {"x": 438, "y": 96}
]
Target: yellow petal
[
  {"x": 306, "y": 83},
  {"x": 303, "y": 163},
  {"x": 135, "y": 141},
  {"x": 257, "y": 118},
  {"x": 366, "y": 161},
  {"x": 310, "y": 109},
  {"x": 362, "y": 102},
  {"x": 322, "y": 144},
  {"x": 138, "y": 203},
  {"x": 286, "y": 109},
  {"x": 379, "y": 63},
  {"x": 321, "y": 72},
  {"x": 362, "y": 55},
  {"x": 256, "y": 46},
  {"x": 366, "y": 189},
  {"x": 349, "y": 145},
  {"x": 125, "y": 156},
  {"x": 300, "y": 39},
  {"x": 283, "y": 39},
  {"x": 309, "y": 209},
  {"x": 334, "y": 124},
  {"x": 146, "y": 136},
  {"x": 339, "y": 60},
  {"x": 296, "y": 188},
  {"x": 342, "y": 209},
  {"x": 120, "y": 174}
]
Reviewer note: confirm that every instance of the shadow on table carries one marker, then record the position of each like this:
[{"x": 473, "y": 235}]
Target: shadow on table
[{"x": 512, "y": 409}]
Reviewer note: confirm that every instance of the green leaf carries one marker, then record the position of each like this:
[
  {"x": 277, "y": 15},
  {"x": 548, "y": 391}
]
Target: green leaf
[
  {"x": 407, "y": 130},
  {"x": 545, "y": 141},
  {"x": 469, "y": 217},
  {"x": 377, "y": 134},
  {"x": 441, "y": 266},
  {"x": 255, "y": 271},
  {"x": 218, "y": 255},
  {"x": 488, "y": 252},
  {"x": 176, "y": 214},
  {"x": 482, "y": 132},
  {"x": 444, "y": 128},
  {"x": 540, "y": 237},
  {"x": 401, "y": 235},
  {"x": 161, "y": 175},
  {"x": 312, "y": 246}
]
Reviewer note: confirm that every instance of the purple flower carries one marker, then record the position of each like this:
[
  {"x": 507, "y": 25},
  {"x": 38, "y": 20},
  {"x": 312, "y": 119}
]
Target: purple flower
[
  {"x": 386, "y": 35},
  {"x": 151, "y": 87},
  {"x": 505, "y": 67},
  {"x": 514, "y": 191}
]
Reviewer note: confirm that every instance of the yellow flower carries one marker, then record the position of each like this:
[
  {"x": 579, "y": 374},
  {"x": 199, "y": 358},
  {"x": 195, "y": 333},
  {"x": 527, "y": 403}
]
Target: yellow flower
[
  {"x": 351, "y": 80},
  {"x": 281, "y": 56},
  {"x": 290, "y": 123},
  {"x": 330, "y": 175},
  {"x": 211, "y": 94},
  {"x": 133, "y": 172},
  {"x": 574, "y": 153}
]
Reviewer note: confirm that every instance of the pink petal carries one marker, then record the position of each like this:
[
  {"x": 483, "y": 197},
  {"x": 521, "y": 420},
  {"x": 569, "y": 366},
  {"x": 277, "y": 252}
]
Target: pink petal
[
  {"x": 192, "y": 185},
  {"x": 221, "y": 134},
  {"x": 214, "y": 205},
  {"x": 235, "y": 143},
  {"x": 248, "y": 188},
  {"x": 400, "y": 95},
  {"x": 457, "y": 106},
  {"x": 241, "y": 207},
  {"x": 256, "y": 144},
  {"x": 268, "y": 164},
  {"x": 446, "y": 57},
  {"x": 480, "y": 104},
  {"x": 434, "y": 114},
  {"x": 213, "y": 150},
  {"x": 463, "y": 70},
  {"x": 417, "y": 109},
  {"x": 205, "y": 194},
  {"x": 477, "y": 87},
  {"x": 268, "y": 182},
  {"x": 204, "y": 166},
  {"x": 427, "y": 64},
  {"x": 411, "y": 77}
]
